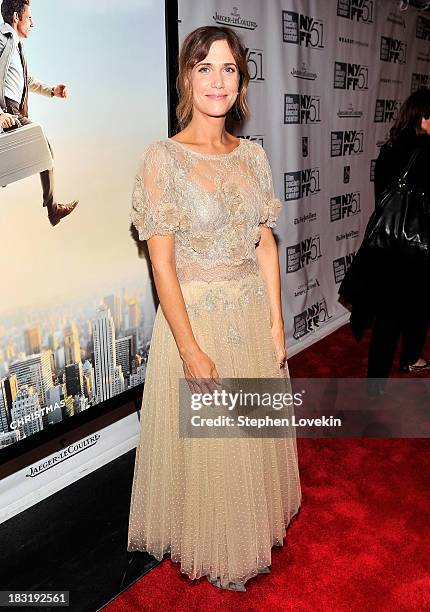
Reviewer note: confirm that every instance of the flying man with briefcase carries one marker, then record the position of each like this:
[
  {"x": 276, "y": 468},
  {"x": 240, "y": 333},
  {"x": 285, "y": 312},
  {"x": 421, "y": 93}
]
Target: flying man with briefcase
[{"x": 24, "y": 149}]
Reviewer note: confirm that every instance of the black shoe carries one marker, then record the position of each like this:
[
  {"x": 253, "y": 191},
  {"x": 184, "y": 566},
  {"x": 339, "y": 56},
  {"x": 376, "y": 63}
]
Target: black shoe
[{"x": 416, "y": 368}]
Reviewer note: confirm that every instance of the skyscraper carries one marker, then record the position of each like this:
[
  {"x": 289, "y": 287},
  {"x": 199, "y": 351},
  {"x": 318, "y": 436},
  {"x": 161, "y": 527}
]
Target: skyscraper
[
  {"x": 124, "y": 355},
  {"x": 113, "y": 302},
  {"x": 8, "y": 391},
  {"x": 24, "y": 408},
  {"x": 104, "y": 354},
  {"x": 89, "y": 383},
  {"x": 72, "y": 348},
  {"x": 53, "y": 399},
  {"x": 32, "y": 340},
  {"x": 34, "y": 371},
  {"x": 74, "y": 379},
  {"x": 133, "y": 313}
]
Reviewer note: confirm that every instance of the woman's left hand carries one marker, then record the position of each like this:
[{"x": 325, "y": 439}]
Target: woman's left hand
[{"x": 278, "y": 335}]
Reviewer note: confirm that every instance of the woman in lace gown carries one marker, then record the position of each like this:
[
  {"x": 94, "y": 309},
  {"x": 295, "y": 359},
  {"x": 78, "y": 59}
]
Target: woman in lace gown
[{"x": 204, "y": 201}]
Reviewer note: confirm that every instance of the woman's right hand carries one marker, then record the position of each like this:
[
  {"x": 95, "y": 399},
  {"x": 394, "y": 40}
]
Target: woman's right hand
[{"x": 198, "y": 365}]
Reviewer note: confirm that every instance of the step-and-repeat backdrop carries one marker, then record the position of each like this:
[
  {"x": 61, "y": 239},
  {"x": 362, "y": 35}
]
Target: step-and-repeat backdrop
[{"x": 327, "y": 80}]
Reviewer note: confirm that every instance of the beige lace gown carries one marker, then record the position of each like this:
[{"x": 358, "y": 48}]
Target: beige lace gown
[{"x": 216, "y": 505}]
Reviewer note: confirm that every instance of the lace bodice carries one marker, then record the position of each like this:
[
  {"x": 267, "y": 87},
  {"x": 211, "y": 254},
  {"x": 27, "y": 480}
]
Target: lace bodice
[{"x": 214, "y": 204}]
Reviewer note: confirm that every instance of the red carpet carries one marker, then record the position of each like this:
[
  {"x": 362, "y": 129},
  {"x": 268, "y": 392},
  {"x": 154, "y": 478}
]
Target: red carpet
[{"x": 361, "y": 541}]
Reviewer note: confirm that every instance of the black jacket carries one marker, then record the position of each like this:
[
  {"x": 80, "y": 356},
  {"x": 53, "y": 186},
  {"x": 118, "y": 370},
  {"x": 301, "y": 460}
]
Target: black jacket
[
  {"x": 376, "y": 280},
  {"x": 393, "y": 159}
]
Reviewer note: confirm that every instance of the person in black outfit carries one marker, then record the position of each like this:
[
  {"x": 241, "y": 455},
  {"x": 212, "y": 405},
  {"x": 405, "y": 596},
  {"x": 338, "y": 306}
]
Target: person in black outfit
[{"x": 387, "y": 292}]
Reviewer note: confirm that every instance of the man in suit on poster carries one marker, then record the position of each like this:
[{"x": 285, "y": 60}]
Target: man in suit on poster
[{"x": 16, "y": 82}]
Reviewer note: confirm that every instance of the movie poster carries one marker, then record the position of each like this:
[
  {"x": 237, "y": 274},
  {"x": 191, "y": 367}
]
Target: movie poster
[{"x": 76, "y": 307}]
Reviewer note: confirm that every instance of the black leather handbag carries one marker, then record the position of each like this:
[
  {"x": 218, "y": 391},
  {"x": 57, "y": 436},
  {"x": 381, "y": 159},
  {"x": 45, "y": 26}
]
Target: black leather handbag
[{"x": 400, "y": 222}]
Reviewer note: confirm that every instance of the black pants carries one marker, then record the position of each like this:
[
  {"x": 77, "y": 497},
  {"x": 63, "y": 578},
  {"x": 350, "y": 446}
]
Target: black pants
[
  {"x": 402, "y": 314},
  {"x": 47, "y": 176}
]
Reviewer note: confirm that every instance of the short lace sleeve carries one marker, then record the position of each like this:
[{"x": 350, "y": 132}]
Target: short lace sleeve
[
  {"x": 272, "y": 205},
  {"x": 153, "y": 209}
]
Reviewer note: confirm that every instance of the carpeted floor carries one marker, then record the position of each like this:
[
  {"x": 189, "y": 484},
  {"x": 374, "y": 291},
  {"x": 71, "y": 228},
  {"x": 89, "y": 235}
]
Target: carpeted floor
[{"x": 361, "y": 541}]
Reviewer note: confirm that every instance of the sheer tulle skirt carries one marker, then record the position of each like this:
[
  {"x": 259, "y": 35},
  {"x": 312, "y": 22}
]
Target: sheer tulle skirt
[{"x": 216, "y": 505}]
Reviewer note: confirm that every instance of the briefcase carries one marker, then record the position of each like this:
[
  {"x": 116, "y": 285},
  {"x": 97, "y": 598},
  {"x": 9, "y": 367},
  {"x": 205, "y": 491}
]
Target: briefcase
[{"x": 23, "y": 151}]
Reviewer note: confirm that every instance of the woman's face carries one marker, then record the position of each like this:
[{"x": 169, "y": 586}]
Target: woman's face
[
  {"x": 215, "y": 81},
  {"x": 425, "y": 125}
]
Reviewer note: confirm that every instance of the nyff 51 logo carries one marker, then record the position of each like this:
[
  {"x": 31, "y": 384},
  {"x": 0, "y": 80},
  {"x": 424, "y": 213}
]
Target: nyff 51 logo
[
  {"x": 341, "y": 265},
  {"x": 386, "y": 110},
  {"x": 302, "y": 254},
  {"x": 301, "y": 108},
  {"x": 310, "y": 319},
  {"x": 423, "y": 28},
  {"x": 254, "y": 59},
  {"x": 349, "y": 142},
  {"x": 393, "y": 50},
  {"x": 350, "y": 76},
  {"x": 345, "y": 206},
  {"x": 254, "y": 137},
  {"x": 302, "y": 30},
  {"x": 301, "y": 184},
  {"x": 358, "y": 10},
  {"x": 419, "y": 81}
]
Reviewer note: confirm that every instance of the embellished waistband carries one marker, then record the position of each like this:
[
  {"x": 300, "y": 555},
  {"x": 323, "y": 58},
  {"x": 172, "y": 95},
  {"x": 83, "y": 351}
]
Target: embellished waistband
[
  {"x": 220, "y": 272},
  {"x": 224, "y": 297}
]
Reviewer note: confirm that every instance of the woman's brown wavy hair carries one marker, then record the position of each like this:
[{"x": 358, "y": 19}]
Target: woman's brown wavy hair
[
  {"x": 413, "y": 110},
  {"x": 194, "y": 49}
]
